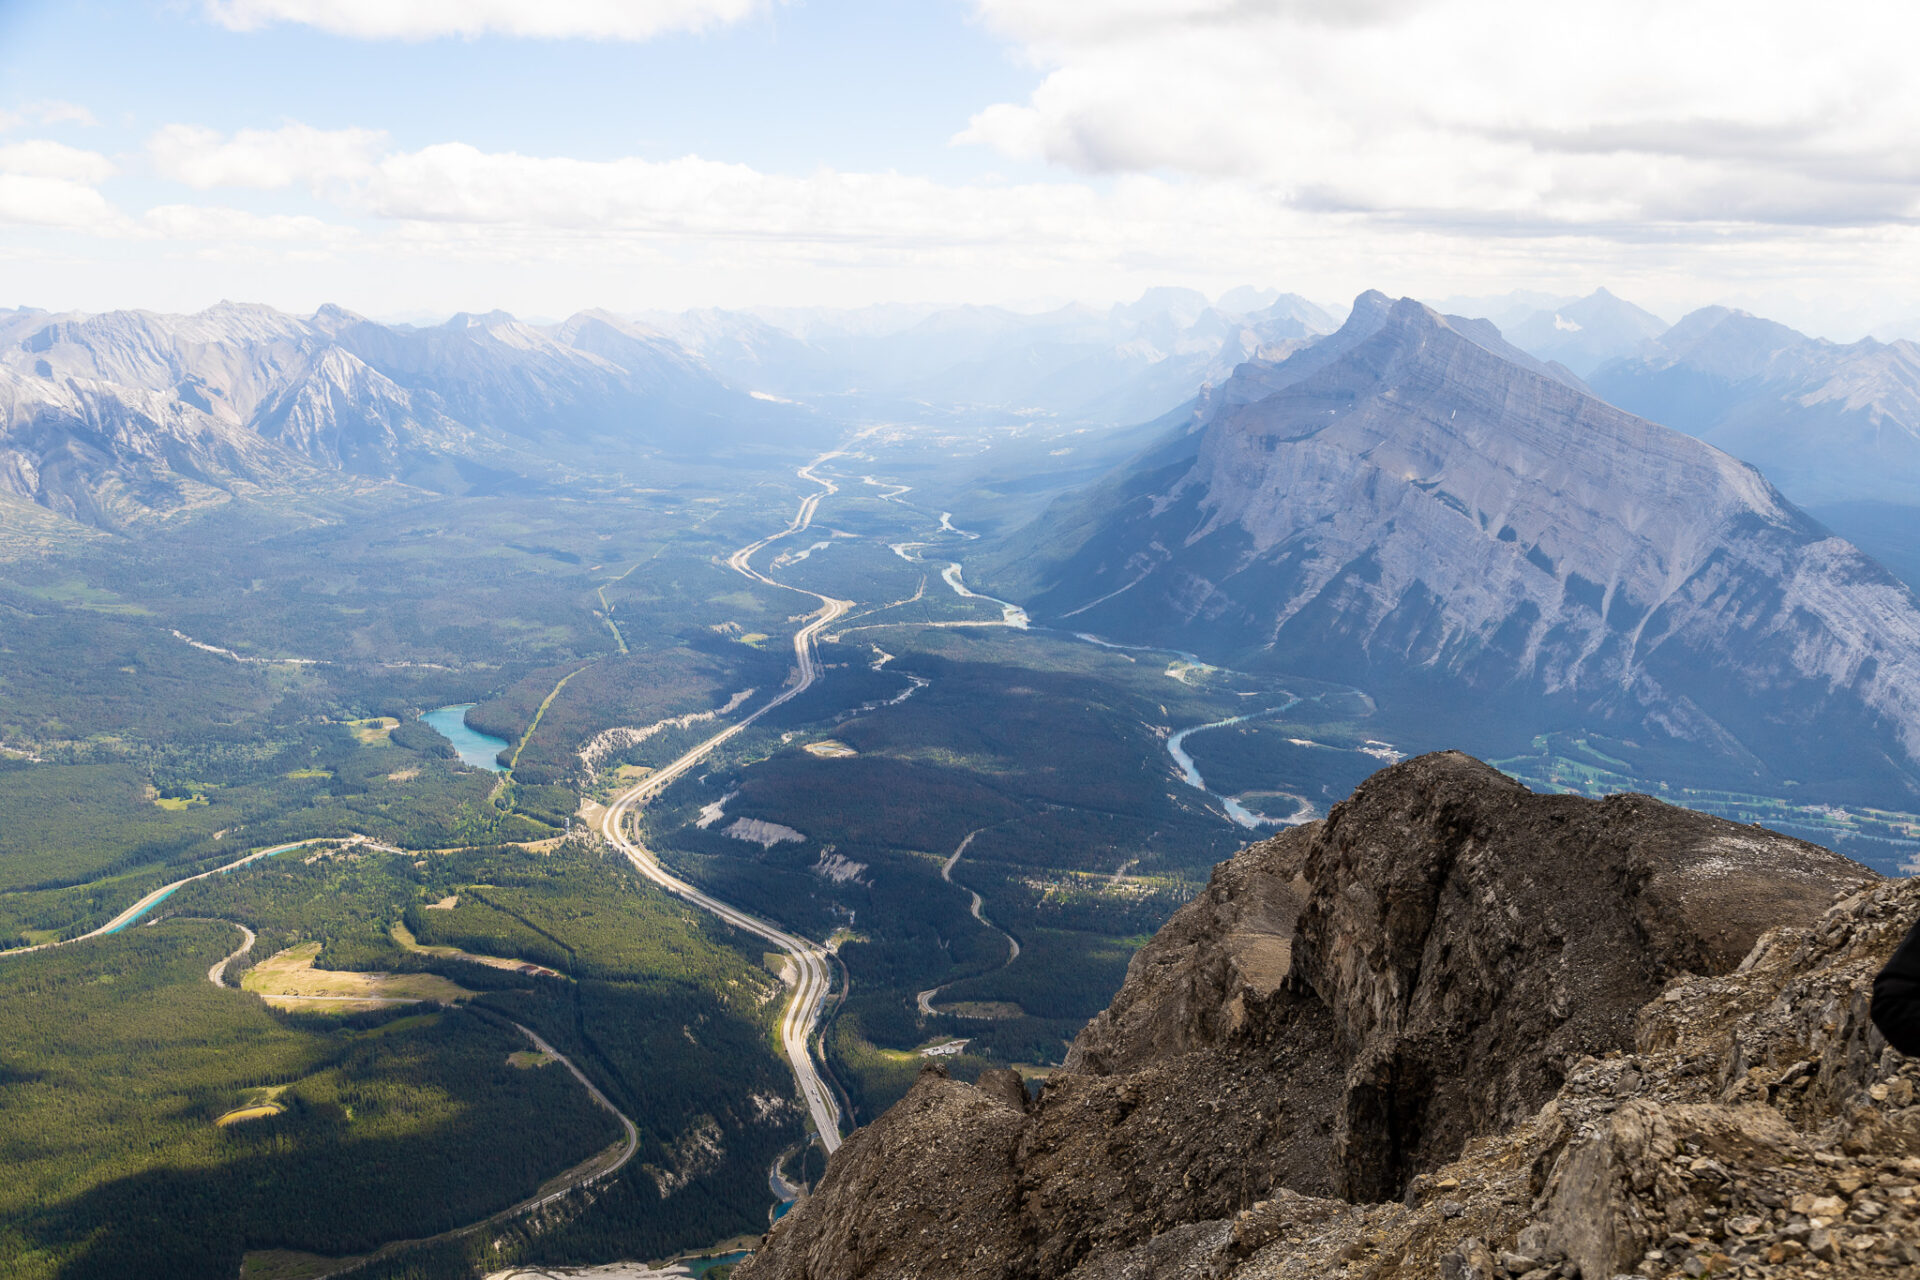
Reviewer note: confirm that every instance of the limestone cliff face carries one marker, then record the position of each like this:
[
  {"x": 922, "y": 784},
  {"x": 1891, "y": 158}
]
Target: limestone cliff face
[
  {"x": 112, "y": 418},
  {"x": 1412, "y": 500},
  {"x": 1456, "y": 1025}
]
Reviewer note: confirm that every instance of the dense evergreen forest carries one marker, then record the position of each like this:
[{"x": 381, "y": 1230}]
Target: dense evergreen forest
[
  {"x": 179, "y": 699},
  {"x": 121, "y": 1057}
]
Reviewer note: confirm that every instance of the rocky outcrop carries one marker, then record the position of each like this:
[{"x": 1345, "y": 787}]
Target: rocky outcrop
[{"x": 1456, "y": 1028}]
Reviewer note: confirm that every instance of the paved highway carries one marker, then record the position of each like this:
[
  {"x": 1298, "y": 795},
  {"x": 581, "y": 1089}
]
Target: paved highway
[
  {"x": 588, "y": 1174},
  {"x": 218, "y": 974},
  {"x": 811, "y": 977}
]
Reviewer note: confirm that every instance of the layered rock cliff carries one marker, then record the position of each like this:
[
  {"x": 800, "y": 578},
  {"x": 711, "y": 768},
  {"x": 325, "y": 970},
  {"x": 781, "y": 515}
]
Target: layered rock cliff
[
  {"x": 1415, "y": 507},
  {"x": 1456, "y": 1028}
]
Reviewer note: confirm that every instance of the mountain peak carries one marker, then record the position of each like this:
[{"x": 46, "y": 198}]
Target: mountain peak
[
  {"x": 1412, "y": 495},
  {"x": 1836, "y": 426},
  {"x": 1181, "y": 306},
  {"x": 1370, "y": 306},
  {"x": 1246, "y": 298},
  {"x": 1582, "y": 334},
  {"x": 1729, "y": 343},
  {"x": 1410, "y": 325},
  {"x": 1165, "y": 297},
  {"x": 473, "y": 320}
]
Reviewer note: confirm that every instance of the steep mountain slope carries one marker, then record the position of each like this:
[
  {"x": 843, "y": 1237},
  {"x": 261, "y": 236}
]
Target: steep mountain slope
[
  {"x": 111, "y": 417},
  {"x": 1374, "y": 1047},
  {"x": 1827, "y": 423},
  {"x": 103, "y": 453},
  {"x": 1586, "y": 334},
  {"x": 1414, "y": 507}
]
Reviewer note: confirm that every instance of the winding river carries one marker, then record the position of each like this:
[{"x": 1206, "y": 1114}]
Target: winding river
[{"x": 1190, "y": 773}]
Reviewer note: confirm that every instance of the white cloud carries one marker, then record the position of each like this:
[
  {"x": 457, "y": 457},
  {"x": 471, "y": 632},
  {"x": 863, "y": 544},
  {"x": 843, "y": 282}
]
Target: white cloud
[
  {"x": 217, "y": 223},
  {"x": 540, "y": 19},
  {"x": 46, "y": 111},
  {"x": 36, "y": 201},
  {"x": 263, "y": 159},
  {"x": 1075, "y": 23},
  {"x": 42, "y": 159},
  {"x": 1496, "y": 114},
  {"x": 457, "y": 193},
  {"x": 500, "y": 228},
  {"x": 49, "y": 184}
]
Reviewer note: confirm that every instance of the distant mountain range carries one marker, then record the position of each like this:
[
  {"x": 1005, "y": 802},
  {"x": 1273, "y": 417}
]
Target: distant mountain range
[
  {"x": 1829, "y": 423},
  {"x": 1586, "y": 333},
  {"x": 1415, "y": 505},
  {"x": 1580, "y": 333},
  {"x": 1835, "y": 425},
  {"x": 106, "y": 417},
  {"x": 1114, "y": 366}
]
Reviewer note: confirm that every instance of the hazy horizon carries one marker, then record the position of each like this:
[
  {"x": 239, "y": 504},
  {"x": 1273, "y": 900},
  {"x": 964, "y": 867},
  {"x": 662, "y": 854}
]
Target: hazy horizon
[
  {"x": 911, "y": 311},
  {"x": 410, "y": 158}
]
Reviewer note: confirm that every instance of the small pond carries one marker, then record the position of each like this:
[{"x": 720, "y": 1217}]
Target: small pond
[{"x": 480, "y": 750}]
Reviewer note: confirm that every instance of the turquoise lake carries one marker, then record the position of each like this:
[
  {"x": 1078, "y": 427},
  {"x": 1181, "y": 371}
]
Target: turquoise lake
[{"x": 475, "y": 748}]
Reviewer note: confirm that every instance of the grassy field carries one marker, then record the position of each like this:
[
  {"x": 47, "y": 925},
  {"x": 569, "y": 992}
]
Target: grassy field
[{"x": 289, "y": 980}]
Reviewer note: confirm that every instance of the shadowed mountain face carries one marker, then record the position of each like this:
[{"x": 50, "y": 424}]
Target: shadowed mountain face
[
  {"x": 1827, "y": 423},
  {"x": 108, "y": 417},
  {"x": 1416, "y": 507}
]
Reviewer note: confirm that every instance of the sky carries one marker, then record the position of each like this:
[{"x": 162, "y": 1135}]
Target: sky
[{"x": 412, "y": 158}]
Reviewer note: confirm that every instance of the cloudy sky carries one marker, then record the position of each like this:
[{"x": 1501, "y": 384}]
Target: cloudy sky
[{"x": 415, "y": 157}]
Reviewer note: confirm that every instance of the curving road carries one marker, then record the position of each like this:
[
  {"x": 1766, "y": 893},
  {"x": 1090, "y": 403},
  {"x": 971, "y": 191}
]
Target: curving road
[
  {"x": 811, "y": 979},
  {"x": 1013, "y": 943},
  {"x": 218, "y": 974},
  {"x": 589, "y": 1175},
  {"x": 584, "y": 1175}
]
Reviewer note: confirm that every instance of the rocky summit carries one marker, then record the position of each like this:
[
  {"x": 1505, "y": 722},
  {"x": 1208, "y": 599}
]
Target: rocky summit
[{"x": 1454, "y": 1029}]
